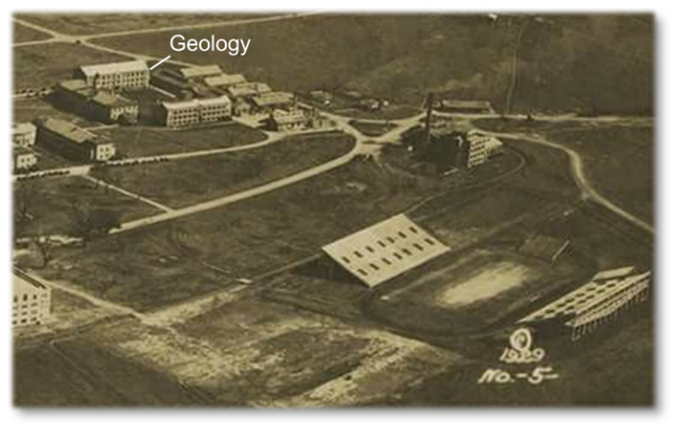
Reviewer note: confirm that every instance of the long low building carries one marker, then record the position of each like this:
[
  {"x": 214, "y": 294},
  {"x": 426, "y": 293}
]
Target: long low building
[
  {"x": 385, "y": 250},
  {"x": 196, "y": 111},
  {"x": 116, "y": 76},
  {"x": 607, "y": 295},
  {"x": 73, "y": 142}
]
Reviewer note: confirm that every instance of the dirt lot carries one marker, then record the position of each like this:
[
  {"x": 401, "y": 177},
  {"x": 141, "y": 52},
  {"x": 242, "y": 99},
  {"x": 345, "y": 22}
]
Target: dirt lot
[
  {"x": 89, "y": 24},
  {"x": 611, "y": 154},
  {"x": 39, "y": 66},
  {"x": 49, "y": 203},
  {"x": 26, "y": 34},
  {"x": 184, "y": 182},
  {"x": 143, "y": 141}
]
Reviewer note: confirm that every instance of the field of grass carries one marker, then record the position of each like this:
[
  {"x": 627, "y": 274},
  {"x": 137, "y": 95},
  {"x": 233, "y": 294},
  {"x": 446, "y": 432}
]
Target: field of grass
[
  {"x": 620, "y": 163},
  {"x": 144, "y": 141},
  {"x": 81, "y": 372},
  {"x": 617, "y": 370},
  {"x": 181, "y": 183},
  {"x": 26, "y": 34},
  {"x": 372, "y": 129},
  {"x": 27, "y": 110},
  {"x": 50, "y": 202},
  {"x": 38, "y": 66},
  {"x": 95, "y": 23},
  {"x": 401, "y": 58}
]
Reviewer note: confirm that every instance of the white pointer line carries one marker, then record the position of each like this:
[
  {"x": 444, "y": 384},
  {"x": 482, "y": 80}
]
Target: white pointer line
[{"x": 159, "y": 63}]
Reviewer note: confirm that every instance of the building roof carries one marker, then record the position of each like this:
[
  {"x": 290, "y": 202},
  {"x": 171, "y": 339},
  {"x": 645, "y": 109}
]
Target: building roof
[
  {"x": 109, "y": 99},
  {"x": 19, "y": 150},
  {"x": 249, "y": 89},
  {"x": 66, "y": 129},
  {"x": 224, "y": 80},
  {"x": 113, "y": 68},
  {"x": 23, "y": 282},
  {"x": 73, "y": 85},
  {"x": 457, "y": 103},
  {"x": 192, "y": 103},
  {"x": 385, "y": 250},
  {"x": 273, "y": 98},
  {"x": 292, "y": 116},
  {"x": 613, "y": 285},
  {"x": 200, "y": 71},
  {"x": 23, "y": 128}
]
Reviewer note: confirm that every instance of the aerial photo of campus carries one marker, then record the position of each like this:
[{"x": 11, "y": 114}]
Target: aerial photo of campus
[{"x": 328, "y": 210}]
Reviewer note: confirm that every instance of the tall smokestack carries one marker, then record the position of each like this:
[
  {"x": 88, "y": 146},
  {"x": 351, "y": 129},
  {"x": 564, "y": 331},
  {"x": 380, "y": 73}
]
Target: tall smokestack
[{"x": 428, "y": 119}]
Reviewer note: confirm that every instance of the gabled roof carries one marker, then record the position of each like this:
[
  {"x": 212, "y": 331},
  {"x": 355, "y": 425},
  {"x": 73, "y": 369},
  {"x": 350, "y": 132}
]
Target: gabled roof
[
  {"x": 273, "y": 98},
  {"x": 200, "y": 71},
  {"x": 224, "y": 80},
  {"x": 385, "y": 250},
  {"x": 113, "y": 68}
]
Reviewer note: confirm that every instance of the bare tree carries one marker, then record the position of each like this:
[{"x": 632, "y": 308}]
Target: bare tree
[{"x": 45, "y": 245}]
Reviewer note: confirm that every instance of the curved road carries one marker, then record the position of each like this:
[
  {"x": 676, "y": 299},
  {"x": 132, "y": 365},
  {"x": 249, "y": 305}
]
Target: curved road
[{"x": 578, "y": 173}]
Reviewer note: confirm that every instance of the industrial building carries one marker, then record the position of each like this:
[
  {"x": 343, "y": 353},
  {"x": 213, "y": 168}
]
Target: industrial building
[
  {"x": 465, "y": 106},
  {"x": 196, "y": 72},
  {"x": 73, "y": 142},
  {"x": 248, "y": 90},
  {"x": 116, "y": 76},
  {"x": 224, "y": 81},
  {"x": 385, "y": 250},
  {"x": 605, "y": 297},
  {"x": 24, "y": 158},
  {"x": 196, "y": 111},
  {"x": 270, "y": 101},
  {"x": 23, "y": 134},
  {"x": 31, "y": 300}
]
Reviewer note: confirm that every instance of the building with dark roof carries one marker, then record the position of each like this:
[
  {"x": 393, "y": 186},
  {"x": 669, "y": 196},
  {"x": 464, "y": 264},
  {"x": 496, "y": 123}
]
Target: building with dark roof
[{"x": 73, "y": 142}]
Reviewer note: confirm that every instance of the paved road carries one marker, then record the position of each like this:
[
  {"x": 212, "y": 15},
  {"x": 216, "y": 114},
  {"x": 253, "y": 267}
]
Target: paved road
[
  {"x": 63, "y": 37},
  {"x": 578, "y": 173}
]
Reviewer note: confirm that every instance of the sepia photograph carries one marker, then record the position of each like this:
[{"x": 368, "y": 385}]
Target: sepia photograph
[{"x": 332, "y": 210}]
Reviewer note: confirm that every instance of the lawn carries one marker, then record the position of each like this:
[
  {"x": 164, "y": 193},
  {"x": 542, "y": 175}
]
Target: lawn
[
  {"x": 620, "y": 163},
  {"x": 38, "y": 66},
  {"x": 81, "y": 372},
  {"x": 184, "y": 182},
  {"x": 402, "y": 57},
  {"x": 27, "y": 110},
  {"x": 50, "y": 200},
  {"x": 144, "y": 141},
  {"x": 372, "y": 129},
  {"x": 27, "y": 34},
  {"x": 95, "y": 23}
]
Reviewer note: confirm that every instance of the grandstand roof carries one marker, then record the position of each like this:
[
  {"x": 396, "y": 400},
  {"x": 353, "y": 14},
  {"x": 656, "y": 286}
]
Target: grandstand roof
[
  {"x": 385, "y": 250},
  {"x": 600, "y": 290}
]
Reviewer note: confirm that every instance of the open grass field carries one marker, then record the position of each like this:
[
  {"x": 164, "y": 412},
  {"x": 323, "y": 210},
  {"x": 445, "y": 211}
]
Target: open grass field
[
  {"x": 26, "y": 34},
  {"x": 181, "y": 183},
  {"x": 81, "y": 372},
  {"x": 464, "y": 56},
  {"x": 614, "y": 370},
  {"x": 27, "y": 110},
  {"x": 372, "y": 129},
  {"x": 49, "y": 203},
  {"x": 170, "y": 262},
  {"x": 38, "y": 66},
  {"x": 620, "y": 162},
  {"x": 95, "y": 23},
  {"x": 144, "y": 141}
]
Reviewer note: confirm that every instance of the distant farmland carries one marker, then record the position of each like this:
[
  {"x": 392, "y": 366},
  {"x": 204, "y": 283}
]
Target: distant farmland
[{"x": 564, "y": 62}]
